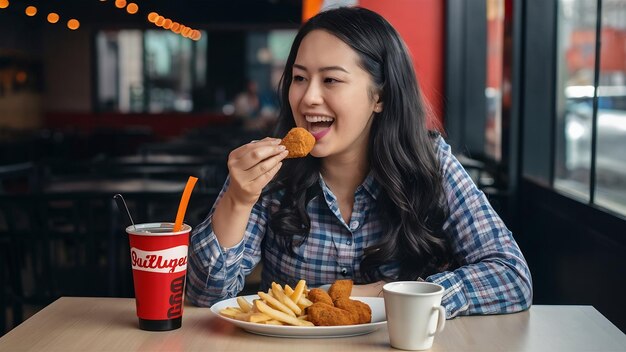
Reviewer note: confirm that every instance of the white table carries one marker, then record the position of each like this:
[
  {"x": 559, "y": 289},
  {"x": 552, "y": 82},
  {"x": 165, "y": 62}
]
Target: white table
[{"x": 109, "y": 324}]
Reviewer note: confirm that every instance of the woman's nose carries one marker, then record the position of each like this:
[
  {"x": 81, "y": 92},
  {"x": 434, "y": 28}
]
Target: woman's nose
[{"x": 313, "y": 94}]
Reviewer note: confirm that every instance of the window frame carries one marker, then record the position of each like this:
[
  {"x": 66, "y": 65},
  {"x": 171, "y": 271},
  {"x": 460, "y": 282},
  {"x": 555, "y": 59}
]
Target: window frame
[
  {"x": 539, "y": 120},
  {"x": 533, "y": 120}
]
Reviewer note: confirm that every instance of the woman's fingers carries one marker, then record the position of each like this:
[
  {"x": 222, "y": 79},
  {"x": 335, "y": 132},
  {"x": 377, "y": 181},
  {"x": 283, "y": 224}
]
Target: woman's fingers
[
  {"x": 261, "y": 181},
  {"x": 252, "y": 167},
  {"x": 266, "y": 166},
  {"x": 253, "y": 145},
  {"x": 251, "y": 156}
]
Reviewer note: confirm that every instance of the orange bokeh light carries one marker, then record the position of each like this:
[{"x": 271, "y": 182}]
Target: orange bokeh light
[
  {"x": 4, "y": 4},
  {"x": 21, "y": 77},
  {"x": 31, "y": 11},
  {"x": 73, "y": 24},
  {"x": 167, "y": 24},
  {"x": 53, "y": 17},
  {"x": 120, "y": 4},
  {"x": 152, "y": 17},
  {"x": 132, "y": 8},
  {"x": 159, "y": 21}
]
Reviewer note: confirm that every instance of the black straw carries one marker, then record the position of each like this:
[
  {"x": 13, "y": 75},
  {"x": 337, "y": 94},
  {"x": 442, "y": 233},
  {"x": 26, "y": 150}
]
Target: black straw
[{"x": 121, "y": 204}]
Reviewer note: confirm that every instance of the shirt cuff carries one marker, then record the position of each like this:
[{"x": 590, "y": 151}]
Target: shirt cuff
[{"x": 454, "y": 299}]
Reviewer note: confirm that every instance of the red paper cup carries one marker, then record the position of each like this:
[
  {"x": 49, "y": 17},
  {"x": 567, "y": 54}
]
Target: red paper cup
[{"x": 159, "y": 260}]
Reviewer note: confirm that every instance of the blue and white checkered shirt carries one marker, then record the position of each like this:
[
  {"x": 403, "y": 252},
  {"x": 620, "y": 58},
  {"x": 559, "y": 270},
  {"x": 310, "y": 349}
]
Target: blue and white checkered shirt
[{"x": 493, "y": 277}]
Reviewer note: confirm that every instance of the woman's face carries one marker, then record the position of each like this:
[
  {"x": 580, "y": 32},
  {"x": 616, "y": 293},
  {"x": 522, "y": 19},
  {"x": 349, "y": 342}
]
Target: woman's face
[{"x": 329, "y": 95}]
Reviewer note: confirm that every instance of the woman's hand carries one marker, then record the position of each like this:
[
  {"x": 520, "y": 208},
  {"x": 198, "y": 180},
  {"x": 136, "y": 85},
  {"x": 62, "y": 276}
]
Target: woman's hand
[{"x": 251, "y": 167}]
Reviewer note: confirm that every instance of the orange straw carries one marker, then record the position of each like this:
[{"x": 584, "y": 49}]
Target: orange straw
[{"x": 184, "y": 201}]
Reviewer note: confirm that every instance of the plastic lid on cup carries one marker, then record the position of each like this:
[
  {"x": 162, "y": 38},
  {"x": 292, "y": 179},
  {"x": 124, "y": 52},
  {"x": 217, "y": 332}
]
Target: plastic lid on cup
[{"x": 157, "y": 229}]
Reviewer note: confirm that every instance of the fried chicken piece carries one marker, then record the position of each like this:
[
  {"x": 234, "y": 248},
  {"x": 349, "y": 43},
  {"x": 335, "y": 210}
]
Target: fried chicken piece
[
  {"x": 362, "y": 310},
  {"x": 340, "y": 289},
  {"x": 299, "y": 142},
  {"x": 318, "y": 295},
  {"x": 321, "y": 314}
]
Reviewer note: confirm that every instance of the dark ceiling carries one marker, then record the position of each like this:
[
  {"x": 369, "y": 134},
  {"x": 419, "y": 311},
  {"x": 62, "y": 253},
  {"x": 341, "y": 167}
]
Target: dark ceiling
[{"x": 196, "y": 13}]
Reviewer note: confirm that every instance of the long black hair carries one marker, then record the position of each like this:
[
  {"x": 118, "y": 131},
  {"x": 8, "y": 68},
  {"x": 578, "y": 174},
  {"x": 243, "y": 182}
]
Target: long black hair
[{"x": 401, "y": 153}]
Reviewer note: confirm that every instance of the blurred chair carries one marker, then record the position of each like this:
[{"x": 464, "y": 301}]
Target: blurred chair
[
  {"x": 19, "y": 232},
  {"x": 476, "y": 169},
  {"x": 19, "y": 178},
  {"x": 56, "y": 246},
  {"x": 485, "y": 176}
]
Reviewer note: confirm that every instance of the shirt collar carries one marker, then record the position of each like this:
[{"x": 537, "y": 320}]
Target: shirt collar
[{"x": 369, "y": 184}]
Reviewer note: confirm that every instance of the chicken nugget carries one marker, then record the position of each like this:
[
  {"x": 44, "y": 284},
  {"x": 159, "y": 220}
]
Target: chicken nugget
[
  {"x": 321, "y": 314},
  {"x": 340, "y": 289},
  {"x": 362, "y": 310},
  {"x": 318, "y": 295},
  {"x": 299, "y": 142}
]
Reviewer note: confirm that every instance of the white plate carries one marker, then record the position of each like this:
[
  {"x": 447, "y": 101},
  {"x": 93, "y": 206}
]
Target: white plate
[{"x": 310, "y": 332}]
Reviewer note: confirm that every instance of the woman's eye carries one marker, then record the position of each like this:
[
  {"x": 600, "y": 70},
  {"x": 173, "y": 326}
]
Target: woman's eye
[
  {"x": 298, "y": 78},
  {"x": 330, "y": 80}
]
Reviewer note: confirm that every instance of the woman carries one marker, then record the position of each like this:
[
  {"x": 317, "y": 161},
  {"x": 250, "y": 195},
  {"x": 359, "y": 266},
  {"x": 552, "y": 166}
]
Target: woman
[{"x": 378, "y": 199}]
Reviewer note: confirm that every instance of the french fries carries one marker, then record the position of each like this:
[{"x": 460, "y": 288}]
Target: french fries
[
  {"x": 243, "y": 304},
  {"x": 279, "y": 306}
]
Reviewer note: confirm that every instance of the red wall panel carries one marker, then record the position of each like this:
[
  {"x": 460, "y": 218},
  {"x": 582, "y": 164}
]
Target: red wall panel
[{"x": 421, "y": 23}]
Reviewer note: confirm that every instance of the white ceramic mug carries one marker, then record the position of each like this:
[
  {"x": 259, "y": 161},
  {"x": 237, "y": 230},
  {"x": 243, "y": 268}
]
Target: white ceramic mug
[{"x": 414, "y": 313}]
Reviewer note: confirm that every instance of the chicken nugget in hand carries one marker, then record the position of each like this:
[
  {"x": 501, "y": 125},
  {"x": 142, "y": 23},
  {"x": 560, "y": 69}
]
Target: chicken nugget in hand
[{"x": 299, "y": 142}]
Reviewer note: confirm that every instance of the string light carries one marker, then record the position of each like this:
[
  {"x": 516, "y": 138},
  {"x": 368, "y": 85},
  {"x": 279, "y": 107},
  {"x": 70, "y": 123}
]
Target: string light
[
  {"x": 167, "y": 24},
  {"x": 73, "y": 24},
  {"x": 161, "y": 21},
  {"x": 132, "y": 8},
  {"x": 53, "y": 17},
  {"x": 31, "y": 11}
]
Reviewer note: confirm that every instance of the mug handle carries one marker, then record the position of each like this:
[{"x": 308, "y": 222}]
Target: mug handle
[{"x": 441, "y": 320}]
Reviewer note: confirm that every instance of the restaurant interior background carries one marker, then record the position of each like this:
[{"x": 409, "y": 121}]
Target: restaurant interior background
[{"x": 531, "y": 95}]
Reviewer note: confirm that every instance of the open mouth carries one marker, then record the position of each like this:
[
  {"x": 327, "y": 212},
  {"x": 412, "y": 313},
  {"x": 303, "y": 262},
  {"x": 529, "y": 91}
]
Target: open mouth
[{"x": 319, "y": 125}]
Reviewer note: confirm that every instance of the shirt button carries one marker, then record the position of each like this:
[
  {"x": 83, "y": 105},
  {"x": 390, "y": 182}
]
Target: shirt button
[
  {"x": 354, "y": 225},
  {"x": 344, "y": 271},
  {"x": 348, "y": 242}
]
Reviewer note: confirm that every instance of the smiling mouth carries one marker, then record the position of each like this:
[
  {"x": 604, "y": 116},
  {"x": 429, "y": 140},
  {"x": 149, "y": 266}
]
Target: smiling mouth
[{"x": 319, "y": 124}]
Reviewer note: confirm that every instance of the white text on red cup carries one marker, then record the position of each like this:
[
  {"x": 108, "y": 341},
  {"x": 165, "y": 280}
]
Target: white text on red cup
[{"x": 171, "y": 260}]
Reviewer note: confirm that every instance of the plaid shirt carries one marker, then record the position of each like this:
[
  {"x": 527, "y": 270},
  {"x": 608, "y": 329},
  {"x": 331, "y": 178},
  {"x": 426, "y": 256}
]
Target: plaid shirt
[{"x": 493, "y": 278}]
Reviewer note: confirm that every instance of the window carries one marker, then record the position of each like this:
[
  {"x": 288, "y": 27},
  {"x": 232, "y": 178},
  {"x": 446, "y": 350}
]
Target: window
[
  {"x": 153, "y": 71},
  {"x": 266, "y": 55},
  {"x": 592, "y": 173},
  {"x": 156, "y": 71}
]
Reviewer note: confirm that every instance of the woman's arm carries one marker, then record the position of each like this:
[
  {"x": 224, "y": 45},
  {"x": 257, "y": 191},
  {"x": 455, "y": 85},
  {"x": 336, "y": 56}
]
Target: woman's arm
[
  {"x": 226, "y": 246},
  {"x": 250, "y": 167},
  {"x": 215, "y": 272},
  {"x": 494, "y": 276}
]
